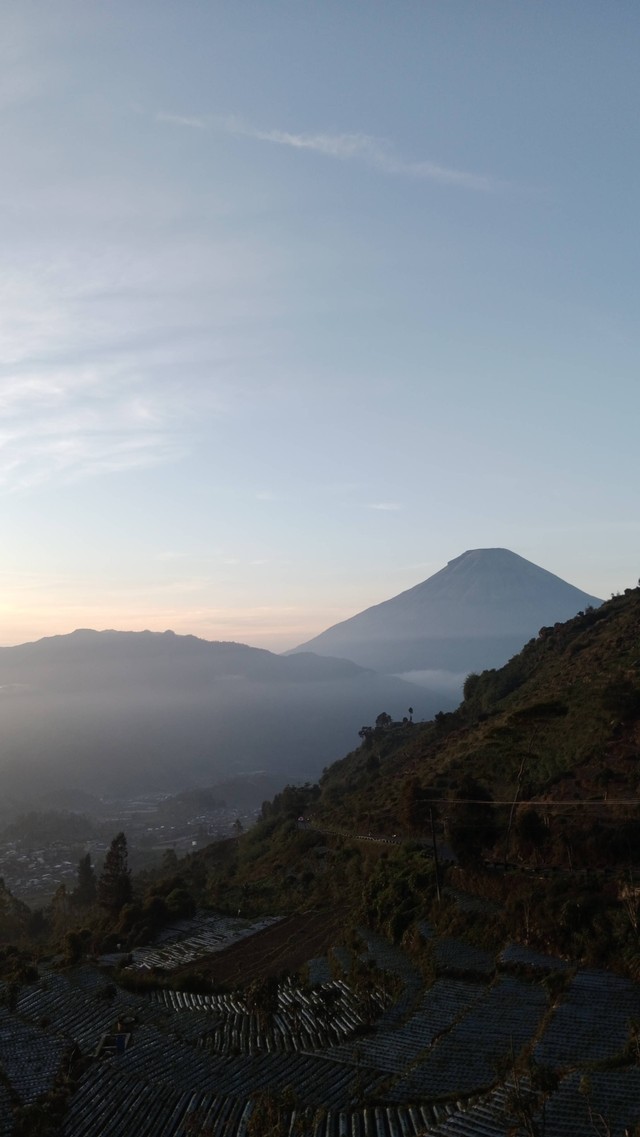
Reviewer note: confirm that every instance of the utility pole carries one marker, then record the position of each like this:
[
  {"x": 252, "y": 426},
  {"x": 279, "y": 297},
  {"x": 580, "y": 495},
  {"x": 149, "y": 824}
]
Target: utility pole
[{"x": 435, "y": 852}]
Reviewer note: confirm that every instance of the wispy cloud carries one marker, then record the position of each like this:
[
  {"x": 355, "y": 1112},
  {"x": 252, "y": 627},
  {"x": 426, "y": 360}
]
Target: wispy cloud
[
  {"x": 365, "y": 148},
  {"x": 385, "y": 506},
  {"x": 101, "y": 436},
  {"x": 183, "y": 120},
  {"x": 98, "y": 344}
]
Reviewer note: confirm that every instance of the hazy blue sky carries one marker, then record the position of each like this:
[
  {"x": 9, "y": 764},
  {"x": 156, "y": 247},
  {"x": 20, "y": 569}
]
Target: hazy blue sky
[{"x": 301, "y": 300}]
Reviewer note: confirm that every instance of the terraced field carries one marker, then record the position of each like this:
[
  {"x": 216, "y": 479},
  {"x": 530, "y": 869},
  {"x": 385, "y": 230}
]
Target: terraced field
[{"x": 424, "y": 1062}]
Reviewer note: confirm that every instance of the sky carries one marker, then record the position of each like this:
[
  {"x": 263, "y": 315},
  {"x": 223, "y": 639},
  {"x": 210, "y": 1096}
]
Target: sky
[{"x": 301, "y": 300}]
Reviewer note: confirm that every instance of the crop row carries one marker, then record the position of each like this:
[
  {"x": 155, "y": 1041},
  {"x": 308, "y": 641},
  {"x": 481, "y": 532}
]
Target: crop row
[
  {"x": 388, "y": 958},
  {"x": 463, "y": 1060},
  {"x": 592, "y": 1022},
  {"x": 303, "y": 1020},
  {"x": 519, "y": 954},
  {"x": 108, "y": 1105},
  {"x": 214, "y": 935},
  {"x": 396, "y": 1049},
  {"x": 29, "y": 1058},
  {"x": 80, "y": 1012},
  {"x": 494, "y": 1115},
  {"x": 114, "y": 1104},
  {"x": 318, "y": 1081},
  {"x": 603, "y": 1103},
  {"x": 600, "y": 1104}
]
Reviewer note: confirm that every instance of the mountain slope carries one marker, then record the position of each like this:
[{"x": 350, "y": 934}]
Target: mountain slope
[
  {"x": 559, "y": 723},
  {"x": 475, "y": 612},
  {"x": 538, "y": 767}
]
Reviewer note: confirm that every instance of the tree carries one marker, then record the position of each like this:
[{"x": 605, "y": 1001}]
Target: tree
[
  {"x": 472, "y": 824},
  {"x": 366, "y": 734},
  {"x": 170, "y": 861},
  {"x": 531, "y": 831},
  {"x": 471, "y": 685},
  {"x": 534, "y": 717},
  {"x": 416, "y": 806},
  {"x": 84, "y": 894},
  {"x": 14, "y": 914},
  {"x": 114, "y": 886},
  {"x": 622, "y": 699},
  {"x": 60, "y": 905},
  {"x": 383, "y": 720}
]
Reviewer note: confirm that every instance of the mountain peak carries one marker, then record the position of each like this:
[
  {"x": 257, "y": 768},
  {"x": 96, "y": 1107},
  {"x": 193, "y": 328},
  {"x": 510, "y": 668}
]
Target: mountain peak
[
  {"x": 475, "y": 612},
  {"x": 489, "y": 556}
]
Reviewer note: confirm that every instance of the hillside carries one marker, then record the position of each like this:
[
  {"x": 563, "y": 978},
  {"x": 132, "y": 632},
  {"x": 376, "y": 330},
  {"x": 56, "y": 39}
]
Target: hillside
[
  {"x": 538, "y": 766},
  {"x": 559, "y": 722},
  {"x": 474, "y": 613}
]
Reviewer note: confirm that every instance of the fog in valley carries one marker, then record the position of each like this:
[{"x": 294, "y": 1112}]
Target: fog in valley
[
  {"x": 114, "y": 713},
  {"x": 120, "y": 713}
]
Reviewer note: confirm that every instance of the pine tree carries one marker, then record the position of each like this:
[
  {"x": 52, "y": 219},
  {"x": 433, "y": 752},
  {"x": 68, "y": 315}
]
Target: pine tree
[
  {"x": 85, "y": 891},
  {"x": 114, "y": 885}
]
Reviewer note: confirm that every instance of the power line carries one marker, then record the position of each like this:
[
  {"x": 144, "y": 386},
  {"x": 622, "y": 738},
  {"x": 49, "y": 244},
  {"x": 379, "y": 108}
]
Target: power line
[{"x": 536, "y": 802}]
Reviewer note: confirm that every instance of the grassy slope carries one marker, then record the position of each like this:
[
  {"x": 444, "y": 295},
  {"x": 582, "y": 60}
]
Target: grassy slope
[
  {"x": 559, "y": 723},
  {"x": 551, "y": 709}
]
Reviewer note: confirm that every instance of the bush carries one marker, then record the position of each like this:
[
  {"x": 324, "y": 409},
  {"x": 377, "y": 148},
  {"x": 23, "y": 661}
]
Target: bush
[
  {"x": 622, "y": 700},
  {"x": 180, "y": 904}
]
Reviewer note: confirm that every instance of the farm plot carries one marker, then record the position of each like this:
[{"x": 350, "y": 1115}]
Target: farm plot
[
  {"x": 463, "y": 1061},
  {"x": 302, "y": 1020},
  {"x": 119, "y": 1106},
  {"x": 318, "y": 1081},
  {"x": 213, "y": 935},
  {"x": 29, "y": 1058},
  {"x": 603, "y": 1103},
  {"x": 373, "y": 1121},
  {"x": 397, "y": 1049},
  {"x": 283, "y": 946},
  {"x": 519, "y": 955},
  {"x": 393, "y": 960},
  {"x": 112, "y": 1105},
  {"x": 591, "y": 1023},
  {"x": 82, "y": 1006},
  {"x": 492, "y": 1116}
]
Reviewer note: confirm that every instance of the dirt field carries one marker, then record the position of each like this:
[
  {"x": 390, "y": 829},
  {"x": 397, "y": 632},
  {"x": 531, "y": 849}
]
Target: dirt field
[{"x": 286, "y": 946}]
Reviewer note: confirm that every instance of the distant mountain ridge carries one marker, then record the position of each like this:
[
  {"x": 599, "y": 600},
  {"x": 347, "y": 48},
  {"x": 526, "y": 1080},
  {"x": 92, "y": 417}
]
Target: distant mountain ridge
[
  {"x": 112, "y": 712},
  {"x": 86, "y": 653},
  {"x": 474, "y": 613}
]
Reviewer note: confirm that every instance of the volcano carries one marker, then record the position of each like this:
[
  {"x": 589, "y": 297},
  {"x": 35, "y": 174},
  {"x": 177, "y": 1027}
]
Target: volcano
[{"x": 473, "y": 614}]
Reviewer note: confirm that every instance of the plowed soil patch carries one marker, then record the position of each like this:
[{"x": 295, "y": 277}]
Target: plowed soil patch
[{"x": 286, "y": 946}]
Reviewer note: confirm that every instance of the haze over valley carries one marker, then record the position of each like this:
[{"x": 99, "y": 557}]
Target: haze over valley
[{"x": 116, "y": 713}]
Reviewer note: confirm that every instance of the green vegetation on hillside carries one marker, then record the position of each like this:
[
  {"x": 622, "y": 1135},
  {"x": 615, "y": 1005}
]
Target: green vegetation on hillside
[{"x": 538, "y": 767}]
